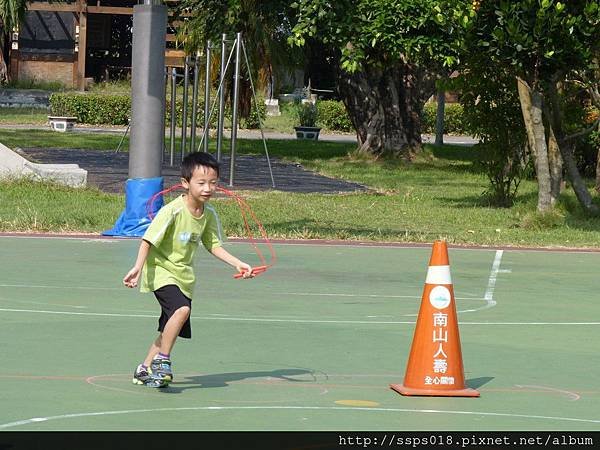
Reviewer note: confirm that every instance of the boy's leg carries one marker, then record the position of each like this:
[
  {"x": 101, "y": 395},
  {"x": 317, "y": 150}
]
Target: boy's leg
[
  {"x": 172, "y": 329},
  {"x": 153, "y": 350},
  {"x": 142, "y": 374},
  {"x": 173, "y": 322},
  {"x": 161, "y": 364}
]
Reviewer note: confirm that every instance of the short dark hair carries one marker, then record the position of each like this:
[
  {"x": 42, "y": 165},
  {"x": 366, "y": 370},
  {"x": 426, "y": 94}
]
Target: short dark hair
[{"x": 195, "y": 159}]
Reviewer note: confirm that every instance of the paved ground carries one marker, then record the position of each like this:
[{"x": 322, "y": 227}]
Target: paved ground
[{"x": 109, "y": 171}]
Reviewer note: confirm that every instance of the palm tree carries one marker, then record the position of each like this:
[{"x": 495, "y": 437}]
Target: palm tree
[{"x": 12, "y": 13}]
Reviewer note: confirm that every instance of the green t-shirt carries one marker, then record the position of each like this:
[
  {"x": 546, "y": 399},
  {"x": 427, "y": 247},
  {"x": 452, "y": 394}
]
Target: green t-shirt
[{"x": 175, "y": 234}]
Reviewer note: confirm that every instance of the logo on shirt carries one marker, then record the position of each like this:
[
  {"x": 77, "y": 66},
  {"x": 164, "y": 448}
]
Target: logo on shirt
[{"x": 186, "y": 237}]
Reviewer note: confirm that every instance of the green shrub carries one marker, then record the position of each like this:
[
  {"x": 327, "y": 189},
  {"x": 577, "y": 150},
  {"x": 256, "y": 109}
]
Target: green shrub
[
  {"x": 256, "y": 116},
  {"x": 333, "y": 116},
  {"x": 103, "y": 109},
  {"x": 92, "y": 109},
  {"x": 454, "y": 121}
]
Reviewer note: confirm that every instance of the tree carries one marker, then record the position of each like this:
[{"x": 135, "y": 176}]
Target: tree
[
  {"x": 540, "y": 43},
  {"x": 390, "y": 52},
  {"x": 12, "y": 13},
  {"x": 492, "y": 113},
  {"x": 265, "y": 26}
]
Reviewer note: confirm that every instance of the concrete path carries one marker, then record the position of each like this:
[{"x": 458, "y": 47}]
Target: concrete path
[
  {"x": 250, "y": 134},
  {"x": 109, "y": 171}
]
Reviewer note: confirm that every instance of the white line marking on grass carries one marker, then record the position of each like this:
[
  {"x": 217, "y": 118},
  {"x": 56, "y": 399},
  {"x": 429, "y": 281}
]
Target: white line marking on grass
[
  {"x": 268, "y": 319},
  {"x": 291, "y": 408}
]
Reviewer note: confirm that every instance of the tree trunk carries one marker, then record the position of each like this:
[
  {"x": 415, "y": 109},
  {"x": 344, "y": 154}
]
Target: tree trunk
[
  {"x": 4, "y": 73},
  {"x": 598, "y": 172},
  {"x": 556, "y": 136},
  {"x": 531, "y": 107},
  {"x": 384, "y": 106},
  {"x": 581, "y": 192},
  {"x": 439, "y": 118},
  {"x": 555, "y": 161}
]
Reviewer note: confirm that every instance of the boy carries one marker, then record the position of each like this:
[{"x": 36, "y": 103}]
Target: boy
[{"x": 164, "y": 262}]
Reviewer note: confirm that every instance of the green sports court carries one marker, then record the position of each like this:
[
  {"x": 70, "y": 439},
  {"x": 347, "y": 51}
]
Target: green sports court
[{"x": 312, "y": 344}]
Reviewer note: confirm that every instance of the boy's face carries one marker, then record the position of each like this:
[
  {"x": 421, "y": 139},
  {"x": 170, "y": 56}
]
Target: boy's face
[{"x": 203, "y": 183}]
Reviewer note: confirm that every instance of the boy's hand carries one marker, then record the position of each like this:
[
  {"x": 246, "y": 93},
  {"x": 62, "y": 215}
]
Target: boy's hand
[
  {"x": 245, "y": 270},
  {"x": 132, "y": 277}
]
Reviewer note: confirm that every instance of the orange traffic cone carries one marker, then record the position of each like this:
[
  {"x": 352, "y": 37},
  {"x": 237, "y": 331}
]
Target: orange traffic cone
[{"x": 435, "y": 365}]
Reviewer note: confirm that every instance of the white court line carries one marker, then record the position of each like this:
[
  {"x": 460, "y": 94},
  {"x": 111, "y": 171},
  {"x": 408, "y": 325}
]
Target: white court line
[
  {"x": 266, "y": 319},
  {"x": 571, "y": 395},
  {"x": 44, "y": 286},
  {"x": 489, "y": 290},
  {"x": 297, "y": 408},
  {"x": 343, "y": 244},
  {"x": 300, "y": 294},
  {"x": 322, "y": 294}
]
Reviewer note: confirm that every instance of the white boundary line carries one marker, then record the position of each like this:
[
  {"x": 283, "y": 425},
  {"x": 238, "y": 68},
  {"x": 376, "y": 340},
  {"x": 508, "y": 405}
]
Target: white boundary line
[
  {"x": 368, "y": 244},
  {"x": 299, "y": 294},
  {"x": 489, "y": 292},
  {"x": 267, "y": 319},
  {"x": 44, "y": 286},
  {"x": 322, "y": 294},
  {"x": 279, "y": 408}
]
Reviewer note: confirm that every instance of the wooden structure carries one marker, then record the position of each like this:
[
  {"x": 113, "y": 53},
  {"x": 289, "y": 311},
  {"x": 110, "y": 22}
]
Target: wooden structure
[{"x": 66, "y": 40}]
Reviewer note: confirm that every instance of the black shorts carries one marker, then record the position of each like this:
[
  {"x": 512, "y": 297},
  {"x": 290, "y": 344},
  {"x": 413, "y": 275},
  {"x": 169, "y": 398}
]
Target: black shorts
[{"x": 171, "y": 299}]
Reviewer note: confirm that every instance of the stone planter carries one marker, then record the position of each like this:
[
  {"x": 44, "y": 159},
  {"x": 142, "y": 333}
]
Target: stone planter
[
  {"x": 62, "y": 123},
  {"x": 311, "y": 133}
]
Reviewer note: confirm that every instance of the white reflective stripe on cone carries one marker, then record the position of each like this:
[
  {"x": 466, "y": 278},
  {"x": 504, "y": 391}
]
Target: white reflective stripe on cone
[{"x": 438, "y": 275}]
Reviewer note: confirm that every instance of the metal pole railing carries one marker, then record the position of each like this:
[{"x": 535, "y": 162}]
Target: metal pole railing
[
  {"x": 258, "y": 114},
  {"x": 186, "y": 84},
  {"x": 173, "y": 112},
  {"x": 234, "y": 120},
  {"x": 221, "y": 119},
  {"x": 207, "y": 98},
  {"x": 195, "y": 102}
]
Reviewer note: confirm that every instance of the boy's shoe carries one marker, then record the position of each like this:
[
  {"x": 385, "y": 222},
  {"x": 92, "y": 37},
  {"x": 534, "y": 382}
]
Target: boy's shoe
[
  {"x": 141, "y": 375},
  {"x": 161, "y": 369},
  {"x": 156, "y": 383}
]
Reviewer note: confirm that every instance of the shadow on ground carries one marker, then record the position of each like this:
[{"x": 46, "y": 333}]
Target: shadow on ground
[{"x": 219, "y": 380}]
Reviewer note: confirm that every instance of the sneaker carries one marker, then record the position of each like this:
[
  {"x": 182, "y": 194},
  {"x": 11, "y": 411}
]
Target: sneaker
[
  {"x": 141, "y": 375},
  {"x": 161, "y": 369},
  {"x": 156, "y": 383}
]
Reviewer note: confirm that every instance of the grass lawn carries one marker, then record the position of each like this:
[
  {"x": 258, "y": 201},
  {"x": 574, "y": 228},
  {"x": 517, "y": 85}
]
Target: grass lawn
[
  {"x": 437, "y": 196},
  {"x": 26, "y": 116}
]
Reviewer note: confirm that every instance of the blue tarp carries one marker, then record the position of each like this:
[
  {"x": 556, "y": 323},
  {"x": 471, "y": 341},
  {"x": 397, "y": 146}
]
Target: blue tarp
[{"x": 134, "y": 220}]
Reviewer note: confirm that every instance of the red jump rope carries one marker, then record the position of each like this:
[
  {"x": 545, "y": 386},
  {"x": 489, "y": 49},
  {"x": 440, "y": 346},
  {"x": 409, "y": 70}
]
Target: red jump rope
[{"x": 245, "y": 210}]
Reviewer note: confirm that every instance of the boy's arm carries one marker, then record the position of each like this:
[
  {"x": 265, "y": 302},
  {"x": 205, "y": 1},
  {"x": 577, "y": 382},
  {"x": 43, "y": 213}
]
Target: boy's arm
[
  {"x": 132, "y": 277},
  {"x": 240, "y": 266}
]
